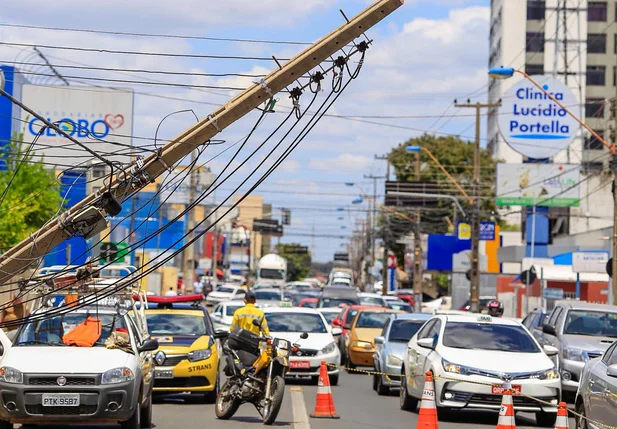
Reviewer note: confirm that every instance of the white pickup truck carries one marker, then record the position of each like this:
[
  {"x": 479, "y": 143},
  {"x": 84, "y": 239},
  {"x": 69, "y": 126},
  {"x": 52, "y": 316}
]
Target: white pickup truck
[{"x": 43, "y": 381}]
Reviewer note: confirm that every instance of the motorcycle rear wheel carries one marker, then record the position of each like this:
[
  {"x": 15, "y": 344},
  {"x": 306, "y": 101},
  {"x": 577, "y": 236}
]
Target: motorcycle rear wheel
[
  {"x": 225, "y": 408},
  {"x": 272, "y": 408}
]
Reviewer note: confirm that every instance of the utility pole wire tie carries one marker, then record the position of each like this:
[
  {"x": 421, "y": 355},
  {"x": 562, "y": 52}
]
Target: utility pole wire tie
[{"x": 214, "y": 122}]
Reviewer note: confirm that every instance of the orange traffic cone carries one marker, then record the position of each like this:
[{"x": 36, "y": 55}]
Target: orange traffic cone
[
  {"x": 427, "y": 418},
  {"x": 324, "y": 404},
  {"x": 506, "y": 413},
  {"x": 562, "y": 417}
]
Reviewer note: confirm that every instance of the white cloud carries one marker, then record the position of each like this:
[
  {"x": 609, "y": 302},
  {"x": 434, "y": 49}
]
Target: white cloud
[
  {"x": 290, "y": 166},
  {"x": 345, "y": 162}
]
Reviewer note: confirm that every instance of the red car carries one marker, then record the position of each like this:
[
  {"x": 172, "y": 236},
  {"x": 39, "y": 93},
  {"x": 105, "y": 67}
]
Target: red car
[
  {"x": 343, "y": 321},
  {"x": 308, "y": 303}
]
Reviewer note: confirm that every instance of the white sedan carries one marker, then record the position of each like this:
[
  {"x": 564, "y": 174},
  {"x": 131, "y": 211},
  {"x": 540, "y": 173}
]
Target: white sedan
[
  {"x": 289, "y": 324},
  {"x": 223, "y": 313},
  {"x": 471, "y": 356},
  {"x": 225, "y": 293}
]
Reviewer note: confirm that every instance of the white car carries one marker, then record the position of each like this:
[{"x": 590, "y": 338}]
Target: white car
[
  {"x": 224, "y": 312},
  {"x": 289, "y": 324},
  {"x": 225, "y": 293},
  {"x": 372, "y": 299},
  {"x": 396, "y": 303},
  {"x": 471, "y": 356},
  {"x": 44, "y": 381}
]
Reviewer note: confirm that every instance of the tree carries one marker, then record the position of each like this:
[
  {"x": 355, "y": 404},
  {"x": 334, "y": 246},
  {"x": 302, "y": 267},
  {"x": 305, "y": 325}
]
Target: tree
[
  {"x": 29, "y": 194},
  {"x": 456, "y": 155},
  {"x": 298, "y": 265}
]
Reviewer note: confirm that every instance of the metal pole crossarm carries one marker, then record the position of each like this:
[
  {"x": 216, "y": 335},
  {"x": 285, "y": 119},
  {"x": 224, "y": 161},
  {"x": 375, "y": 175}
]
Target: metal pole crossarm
[
  {"x": 85, "y": 216},
  {"x": 420, "y": 194}
]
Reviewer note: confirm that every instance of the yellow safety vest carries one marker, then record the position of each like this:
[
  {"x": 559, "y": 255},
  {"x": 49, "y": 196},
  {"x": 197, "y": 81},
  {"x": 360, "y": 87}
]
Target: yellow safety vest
[{"x": 243, "y": 319}]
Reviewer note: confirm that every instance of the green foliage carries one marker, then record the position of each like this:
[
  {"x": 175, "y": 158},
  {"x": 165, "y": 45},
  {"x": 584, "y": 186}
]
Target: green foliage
[
  {"x": 32, "y": 197},
  {"x": 298, "y": 266}
]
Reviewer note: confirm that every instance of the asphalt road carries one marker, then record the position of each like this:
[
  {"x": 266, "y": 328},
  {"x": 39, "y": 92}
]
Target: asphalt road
[{"x": 358, "y": 406}]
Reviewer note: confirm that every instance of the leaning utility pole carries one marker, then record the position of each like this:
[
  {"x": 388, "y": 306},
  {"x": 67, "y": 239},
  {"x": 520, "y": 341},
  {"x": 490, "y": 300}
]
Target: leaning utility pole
[
  {"x": 188, "y": 262},
  {"x": 475, "y": 213},
  {"x": 89, "y": 217}
]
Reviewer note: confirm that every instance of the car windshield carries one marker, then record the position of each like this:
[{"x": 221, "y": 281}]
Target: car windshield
[
  {"x": 176, "y": 324},
  {"x": 330, "y": 316},
  {"x": 403, "y": 330},
  {"x": 371, "y": 300},
  {"x": 309, "y": 303},
  {"x": 594, "y": 323},
  {"x": 335, "y": 302},
  {"x": 400, "y": 306},
  {"x": 267, "y": 295},
  {"x": 296, "y": 322},
  {"x": 225, "y": 289},
  {"x": 366, "y": 319},
  {"x": 51, "y": 330},
  {"x": 485, "y": 336},
  {"x": 231, "y": 309},
  {"x": 272, "y": 274}
]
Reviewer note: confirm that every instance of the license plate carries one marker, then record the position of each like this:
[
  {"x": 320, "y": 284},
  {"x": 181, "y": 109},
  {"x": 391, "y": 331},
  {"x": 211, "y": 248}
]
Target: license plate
[
  {"x": 497, "y": 389},
  {"x": 299, "y": 364},
  {"x": 163, "y": 373},
  {"x": 61, "y": 399}
]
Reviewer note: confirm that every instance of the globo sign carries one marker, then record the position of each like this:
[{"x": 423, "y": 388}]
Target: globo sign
[{"x": 533, "y": 124}]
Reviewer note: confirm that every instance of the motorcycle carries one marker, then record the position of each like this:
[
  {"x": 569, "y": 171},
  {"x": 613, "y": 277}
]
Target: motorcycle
[{"x": 259, "y": 381}]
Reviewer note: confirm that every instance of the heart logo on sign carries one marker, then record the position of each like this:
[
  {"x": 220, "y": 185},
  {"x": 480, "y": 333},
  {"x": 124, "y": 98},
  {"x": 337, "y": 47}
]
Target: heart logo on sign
[{"x": 114, "y": 121}]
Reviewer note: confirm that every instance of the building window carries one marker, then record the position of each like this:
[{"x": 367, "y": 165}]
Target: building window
[
  {"x": 596, "y": 43},
  {"x": 614, "y": 76},
  {"x": 592, "y": 143},
  {"x": 596, "y": 75},
  {"x": 596, "y": 11},
  {"x": 594, "y": 108},
  {"x": 592, "y": 167},
  {"x": 98, "y": 171},
  {"x": 535, "y": 42},
  {"x": 536, "y": 9},
  {"x": 532, "y": 69}
]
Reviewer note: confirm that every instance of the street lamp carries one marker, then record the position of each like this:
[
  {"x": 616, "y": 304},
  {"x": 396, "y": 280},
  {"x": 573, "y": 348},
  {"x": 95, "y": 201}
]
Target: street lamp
[
  {"x": 341, "y": 218},
  {"x": 415, "y": 149},
  {"x": 507, "y": 72},
  {"x": 358, "y": 200},
  {"x": 340, "y": 209}
]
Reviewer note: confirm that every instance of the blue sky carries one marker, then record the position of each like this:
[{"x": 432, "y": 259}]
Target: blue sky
[{"x": 425, "y": 54}]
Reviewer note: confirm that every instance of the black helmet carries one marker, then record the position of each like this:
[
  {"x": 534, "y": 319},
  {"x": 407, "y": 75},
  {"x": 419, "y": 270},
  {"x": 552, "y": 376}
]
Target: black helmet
[
  {"x": 250, "y": 296},
  {"x": 495, "y": 308}
]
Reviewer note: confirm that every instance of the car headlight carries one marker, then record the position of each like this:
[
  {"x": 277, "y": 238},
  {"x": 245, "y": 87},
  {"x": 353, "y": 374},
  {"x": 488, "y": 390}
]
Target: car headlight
[
  {"x": 454, "y": 368},
  {"x": 117, "y": 375},
  {"x": 362, "y": 345},
  {"x": 11, "y": 375},
  {"x": 551, "y": 374},
  {"x": 392, "y": 360},
  {"x": 573, "y": 354},
  {"x": 328, "y": 349},
  {"x": 197, "y": 355}
]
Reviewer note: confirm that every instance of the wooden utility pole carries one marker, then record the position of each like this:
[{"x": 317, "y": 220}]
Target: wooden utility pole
[
  {"x": 417, "y": 253},
  {"x": 88, "y": 217},
  {"x": 475, "y": 214}
]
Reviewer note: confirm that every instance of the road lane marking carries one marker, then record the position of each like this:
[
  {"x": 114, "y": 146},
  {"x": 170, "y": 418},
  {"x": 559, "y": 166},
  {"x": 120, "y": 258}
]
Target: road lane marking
[{"x": 298, "y": 407}]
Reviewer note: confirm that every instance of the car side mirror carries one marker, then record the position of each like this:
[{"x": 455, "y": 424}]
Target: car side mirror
[
  {"x": 426, "y": 343},
  {"x": 220, "y": 334},
  {"x": 149, "y": 345},
  {"x": 611, "y": 371},
  {"x": 549, "y": 329},
  {"x": 337, "y": 331},
  {"x": 1, "y": 349},
  {"x": 550, "y": 350},
  {"x": 380, "y": 340},
  {"x": 304, "y": 335},
  {"x": 336, "y": 322}
]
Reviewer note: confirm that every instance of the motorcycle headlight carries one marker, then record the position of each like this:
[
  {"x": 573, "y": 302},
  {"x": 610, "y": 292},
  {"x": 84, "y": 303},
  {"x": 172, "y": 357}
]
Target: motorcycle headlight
[
  {"x": 573, "y": 354},
  {"x": 11, "y": 375},
  {"x": 197, "y": 355},
  {"x": 392, "y": 360},
  {"x": 550, "y": 374},
  {"x": 117, "y": 375},
  {"x": 362, "y": 345},
  {"x": 328, "y": 349},
  {"x": 455, "y": 368}
]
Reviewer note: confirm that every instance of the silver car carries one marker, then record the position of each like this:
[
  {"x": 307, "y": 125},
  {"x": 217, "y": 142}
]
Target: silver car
[
  {"x": 581, "y": 331},
  {"x": 390, "y": 348},
  {"x": 596, "y": 398}
]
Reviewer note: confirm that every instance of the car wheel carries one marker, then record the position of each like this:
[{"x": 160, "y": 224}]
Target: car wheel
[
  {"x": 546, "y": 420},
  {"x": 6, "y": 425},
  {"x": 375, "y": 381},
  {"x": 407, "y": 402},
  {"x": 382, "y": 389},
  {"x": 146, "y": 414},
  {"x": 581, "y": 417},
  {"x": 334, "y": 380},
  {"x": 135, "y": 421},
  {"x": 210, "y": 397}
]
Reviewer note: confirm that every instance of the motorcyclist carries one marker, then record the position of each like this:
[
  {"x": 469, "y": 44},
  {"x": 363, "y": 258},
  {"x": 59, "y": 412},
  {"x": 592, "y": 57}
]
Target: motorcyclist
[
  {"x": 495, "y": 308},
  {"x": 244, "y": 316}
]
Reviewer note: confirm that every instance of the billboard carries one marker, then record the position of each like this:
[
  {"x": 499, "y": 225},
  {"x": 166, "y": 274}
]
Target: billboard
[
  {"x": 547, "y": 185},
  {"x": 533, "y": 124},
  {"x": 97, "y": 117}
]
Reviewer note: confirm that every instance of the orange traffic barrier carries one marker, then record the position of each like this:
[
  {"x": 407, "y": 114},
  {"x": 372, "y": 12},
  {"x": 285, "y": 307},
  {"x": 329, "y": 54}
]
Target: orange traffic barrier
[
  {"x": 506, "y": 413},
  {"x": 324, "y": 404},
  {"x": 427, "y": 418},
  {"x": 562, "y": 417}
]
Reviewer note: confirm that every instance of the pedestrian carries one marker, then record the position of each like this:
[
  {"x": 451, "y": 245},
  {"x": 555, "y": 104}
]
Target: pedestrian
[
  {"x": 171, "y": 292},
  {"x": 198, "y": 287}
]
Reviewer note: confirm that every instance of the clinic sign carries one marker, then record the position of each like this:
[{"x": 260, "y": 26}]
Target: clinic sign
[
  {"x": 97, "y": 117},
  {"x": 535, "y": 125}
]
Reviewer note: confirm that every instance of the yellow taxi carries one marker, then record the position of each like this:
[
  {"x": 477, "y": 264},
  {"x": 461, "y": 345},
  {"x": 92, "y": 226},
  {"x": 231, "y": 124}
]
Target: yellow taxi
[
  {"x": 367, "y": 325},
  {"x": 187, "y": 358}
]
